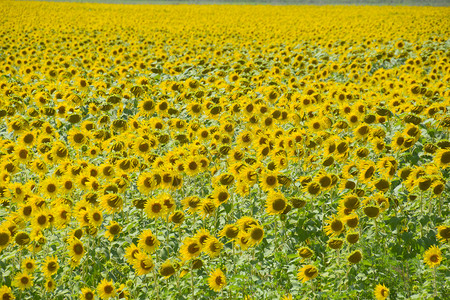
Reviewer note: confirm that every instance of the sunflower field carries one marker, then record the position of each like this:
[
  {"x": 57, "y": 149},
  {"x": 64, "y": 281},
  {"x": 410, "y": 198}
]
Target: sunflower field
[{"x": 224, "y": 151}]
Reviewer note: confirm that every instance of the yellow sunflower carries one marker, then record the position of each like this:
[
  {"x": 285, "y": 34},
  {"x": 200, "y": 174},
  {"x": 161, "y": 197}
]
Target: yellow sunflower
[
  {"x": 433, "y": 257},
  {"x": 106, "y": 289},
  {"x": 143, "y": 264},
  {"x": 217, "y": 280},
  {"x": 275, "y": 203},
  {"x": 148, "y": 241},
  {"x": 6, "y": 293},
  {"x": 50, "y": 266},
  {"x": 191, "y": 248},
  {"x": 23, "y": 280},
  {"x": 87, "y": 294},
  {"x": 381, "y": 292}
]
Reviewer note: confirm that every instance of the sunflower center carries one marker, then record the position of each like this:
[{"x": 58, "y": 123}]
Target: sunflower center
[
  {"x": 29, "y": 265},
  {"x": 114, "y": 229},
  {"x": 219, "y": 280},
  {"x": 143, "y": 147},
  {"x": 337, "y": 225},
  {"x": 325, "y": 181},
  {"x": 434, "y": 258},
  {"x": 89, "y": 296},
  {"x": 108, "y": 289},
  {"x": 96, "y": 216},
  {"x": 271, "y": 180},
  {"x": 24, "y": 280},
  {"x": 27, "y": 210},
  {"x": 445, "y": 158},
  {"x": 4, "y": 238},
  {"x": 279, "y": 204},
  {"x": 193, "y": 248},
  {"x": 148, "y": 105},
  {"x": 150, "y": 241},
  {"x": 257, "y": 234},
  {"x": 231, "y": 232},
  {"x": 51, "y": 188},
  {"x": 78, "y": 138},
  {"x": 145, "y": 265},
  {"x": 42, "y": 220},
  {"x": 28, "y": 139},
  {"x": 310, "y": 272},
  {"x": 193, "y": 166},
  {"x": 156, "y": 208},
  {"x": 52, "y": 266},
  {"x": 78, "y": 249},
  {"x": 23, "y": 154}
]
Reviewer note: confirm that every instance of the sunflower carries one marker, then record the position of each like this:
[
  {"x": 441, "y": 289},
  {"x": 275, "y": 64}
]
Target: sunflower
[
  {"x": 5, "y": 238},
  {"x": 177, "y": 217},
  {"x": 131, "y": 253},
  {"x": 23, "y": 280},
  {"x": 106, "y": 289},
  {"x": 28, "y": 265},
  {"x": 191, "y": 248},
  {"x": 308, "y": 272},
  {"x": 275, "y": 203},
  {"x": 50, "y": 284},
  {"x": 111, "y": 203},
  {"x": 155, "y": 208},
  {"x": 355, "y": 257},
  {"x": 41, "y": 218},
  {"x": 305, "y": 253},
  {"x": 269, "y": 180},
  {"x": 217, "y": 280},
  {"x": 381, "y": 292},
  {"x": 335, "y": 226},
  {"x": 167, "y": 269},
  {"x": 443, "y": 234},
  {"x": 433, "y": 257},
  {"x": 220, "y": 195},
  {"x": 76, "y": 249},
  {"x": 148, "y": 241},
  {"x": 212, "y": 246},
  {"x": 202, "y": 235},
  {"x": 95, "y": 217},
  {"x": 442, "y": 158},
  {"x": 87, "y": 294},
  {"x": 50, "y": 266},
  {"x": 6, "y": 293},
  {"x": 230, "y": 231},
  {"x": 255, "y": 234},
  {"x": 112, "y": 230},
  {"x": 143, "y": 264}
]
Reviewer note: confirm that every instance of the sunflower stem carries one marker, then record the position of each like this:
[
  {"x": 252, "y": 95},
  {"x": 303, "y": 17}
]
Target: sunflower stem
[{"x": 192, "y": 283}]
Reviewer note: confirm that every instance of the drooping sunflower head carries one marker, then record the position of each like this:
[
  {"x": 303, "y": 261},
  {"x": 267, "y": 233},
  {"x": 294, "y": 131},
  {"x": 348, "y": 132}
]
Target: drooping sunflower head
[{"x": 307, "y": 272}]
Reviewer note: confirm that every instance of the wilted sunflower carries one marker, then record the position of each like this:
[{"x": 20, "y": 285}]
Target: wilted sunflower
[
  {"x": 308, "y": 272},
  {"x": 305, "y": 253},
  {"x": 217, "y": 280},
  {"x": 5, "y": 238},
  {"x": 381, "y": 292},
  {"x": 443, "y": 234},
  {"x": 354, "y": 257},
  {"x": 432, "y": 257},
  {"x": 167, "y": 269}
]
